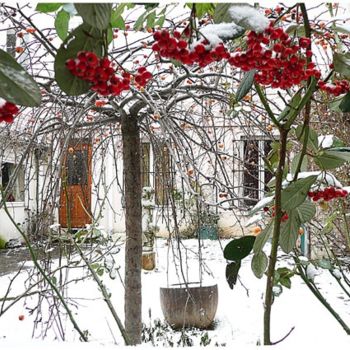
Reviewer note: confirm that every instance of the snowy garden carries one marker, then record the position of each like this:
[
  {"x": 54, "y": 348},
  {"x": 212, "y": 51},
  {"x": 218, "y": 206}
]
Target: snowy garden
[{"x": 174, "y": 175}]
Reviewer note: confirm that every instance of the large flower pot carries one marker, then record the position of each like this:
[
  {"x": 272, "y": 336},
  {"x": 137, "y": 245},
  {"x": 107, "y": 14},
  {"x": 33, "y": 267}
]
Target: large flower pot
[{"x": 189, "y": 307}]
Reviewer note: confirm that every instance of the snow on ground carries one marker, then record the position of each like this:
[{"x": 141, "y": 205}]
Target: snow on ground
[{"x": 239, "y": 319}]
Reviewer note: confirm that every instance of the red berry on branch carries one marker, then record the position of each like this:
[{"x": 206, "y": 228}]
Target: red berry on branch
[{"x": 7, "y": 111}]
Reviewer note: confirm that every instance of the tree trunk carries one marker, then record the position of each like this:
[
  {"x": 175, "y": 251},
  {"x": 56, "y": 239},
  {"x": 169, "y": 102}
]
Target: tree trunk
[{"x": 133, "y": 223}]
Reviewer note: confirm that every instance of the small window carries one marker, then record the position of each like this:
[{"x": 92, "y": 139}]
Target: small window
[
  {"x": 77, "y": 168},
  {"x": 16, "y": 192},
  {"x": 255, "y": 175},
  {"x": 11, "y": 42},
  {"x": 163, "y": 174}
]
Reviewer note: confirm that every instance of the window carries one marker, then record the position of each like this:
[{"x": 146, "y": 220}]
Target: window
[
  {"x": 16, "y": 192},
  {"x": 254, "y": 174},
  {"x": 77, "y": 168},
  {"x": 161, "y": 174},
  {"x": 11, "y": 42}
]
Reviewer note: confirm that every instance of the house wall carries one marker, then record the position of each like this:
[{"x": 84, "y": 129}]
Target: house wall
[
  {"x": 20, "y": 211},
  {"x": 107, "y": 198}
]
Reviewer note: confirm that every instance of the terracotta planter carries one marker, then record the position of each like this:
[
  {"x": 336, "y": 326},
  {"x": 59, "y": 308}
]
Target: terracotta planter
[
  {"x": 189, "y": 307},
  {"x": 148, "y": 261}
]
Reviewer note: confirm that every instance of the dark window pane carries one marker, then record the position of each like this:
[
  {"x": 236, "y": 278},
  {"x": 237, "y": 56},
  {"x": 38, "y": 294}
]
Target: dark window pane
[
  {"x": 251, "y": 172},
  {"x": 11, "y": 42},
  {"x": 77, "y": 165},
  {"x": 16, "y": 192}
]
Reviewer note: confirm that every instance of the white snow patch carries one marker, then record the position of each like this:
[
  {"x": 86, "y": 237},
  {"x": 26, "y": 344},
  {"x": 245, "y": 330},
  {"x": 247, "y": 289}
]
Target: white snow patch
[
  {"x": 303, "y": 259},
  {"x": 337, "y": 274},
  {"x": 262, "y": 203},
  {"x": 92, "y": 314},
  {"x": 347, "y": 188},
  {"x": 312, "y": 272},
  {"x": 251, "y": 17},
  {"x": 254, "y": 219},
  {"x": 216, "y": 33},
  {"x": 326, "y": 141},
  {"x": 325, "y": 178}
]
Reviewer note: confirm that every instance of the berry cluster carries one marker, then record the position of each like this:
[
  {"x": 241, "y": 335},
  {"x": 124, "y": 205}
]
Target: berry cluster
[
  {"x": 327, "y": 194},
  {"x": 280, "y": 62},
  {"x": 100, "y": 72},
  {"x": 143, "y": 76},
  {"x": 174, "y": 47},
  {"x": 337, "y": 88},
  {"x": 272, "y": 212},
  {"x": 7, "y": 111}
]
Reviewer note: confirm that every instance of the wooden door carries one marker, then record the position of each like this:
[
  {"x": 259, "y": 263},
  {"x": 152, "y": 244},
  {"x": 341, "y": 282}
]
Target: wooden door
[{"x": 75, "y": 199}]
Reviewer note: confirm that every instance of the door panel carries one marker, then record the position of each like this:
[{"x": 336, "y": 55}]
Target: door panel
[{"x": 75, "y": 199}]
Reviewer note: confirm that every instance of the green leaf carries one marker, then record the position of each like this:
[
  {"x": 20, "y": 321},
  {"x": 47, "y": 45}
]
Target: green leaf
[
  {"x": 291, "y": 107},
  {"x": 337, "y": 142},
  {"x": 239, "y": 248},
  {"x": 295, "y": 194},
  {"x": 119, "y": 10},
  {"x": 16, "y": 85},
  {"x": 326, "y": 161},
  {"x": 259, "y": 264},
  {"x": 117, "y": 21},
  {"x": 151, "y": 6},
  {"x": 289, "y": 231},
  {"x": 100, "y": 271},
  {"x": 284, "y": 272},
  {"x": 295, "y": 162},
  {"x": 151, "y": 19},
  {"x": 160, "y": 21},
  {"x": 245, "y": 85},
  {"x": 341, "y": 63},
  {"x": 139, "y": 22},
  {"x": 286, "y": 282},
  {"x": 95, "y": 266},
  {"x": 97, "y": 15},
  {"x": 340, "y": 152},
  {"x": 202, "y": 8},
  {"x": 83, "y": 38},
  {"x": 334, "y": 105},
  {"x": 328, "y": 228},
  {"x": 263, "y": 237},
  {"x": 232, "y": 270},
  {"x": 306, "y": 211},
  {"x": 61, "y": 24},
  {"x": 312, "y": 139},
  {"x": 221, "y": 14},
  {"x": 109, "y": 34},
  {"x": 48, "y": 7},
  {"x": 345, "y": 103}
]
